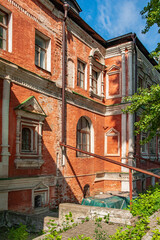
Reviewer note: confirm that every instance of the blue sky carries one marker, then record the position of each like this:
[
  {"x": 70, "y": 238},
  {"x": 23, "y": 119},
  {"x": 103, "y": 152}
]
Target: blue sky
[{"x": 112, "y": 18}]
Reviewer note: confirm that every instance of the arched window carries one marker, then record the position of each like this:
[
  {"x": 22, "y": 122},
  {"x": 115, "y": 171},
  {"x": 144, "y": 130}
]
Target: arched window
[
  {"x": 83, "y": 135},
  {"x": 26, "y": 139}
]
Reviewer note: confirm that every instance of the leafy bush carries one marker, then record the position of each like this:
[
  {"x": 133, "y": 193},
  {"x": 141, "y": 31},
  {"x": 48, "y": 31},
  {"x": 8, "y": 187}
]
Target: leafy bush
[
  {"x": 131, "y": 232},
  {"x": 19, "y": 233},
  {"x": 147, "y": 203},
  {"x": 80, "y": 237},
  {"x": 156, "y": 235}
]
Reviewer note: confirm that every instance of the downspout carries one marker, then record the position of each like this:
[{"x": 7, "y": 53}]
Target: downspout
[
  {"x": 135, "y": 50},
  {"x": 66, "y": 7}
]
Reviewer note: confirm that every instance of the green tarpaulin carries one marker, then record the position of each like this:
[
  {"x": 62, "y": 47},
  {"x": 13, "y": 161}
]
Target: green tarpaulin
[{"x": 111, "y": 202}]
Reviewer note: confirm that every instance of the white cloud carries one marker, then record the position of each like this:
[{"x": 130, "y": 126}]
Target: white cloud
[{"x": 118, "y": 17}]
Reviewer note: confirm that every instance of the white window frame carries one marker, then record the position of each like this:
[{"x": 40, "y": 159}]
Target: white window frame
[
  {"x": 145, "y": 152},
  {"x": 85, "y": 74},
  {"x": 9, "y": 31},
  {"x": 47, "y": 49}
]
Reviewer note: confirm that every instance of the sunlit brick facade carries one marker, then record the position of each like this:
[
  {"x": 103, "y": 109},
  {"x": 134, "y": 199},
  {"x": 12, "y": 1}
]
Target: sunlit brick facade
[{"x": 34, "y": 174}]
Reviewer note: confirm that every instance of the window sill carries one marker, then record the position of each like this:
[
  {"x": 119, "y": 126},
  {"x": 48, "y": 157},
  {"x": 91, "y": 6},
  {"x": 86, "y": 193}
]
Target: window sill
[
  {"x": 28, "y": 163},
  {"x": 45, "y": 70},
  {"x": 92, "y": 94}
]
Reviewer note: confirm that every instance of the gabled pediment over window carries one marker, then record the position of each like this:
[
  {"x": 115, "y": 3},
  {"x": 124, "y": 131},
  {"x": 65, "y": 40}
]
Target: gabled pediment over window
[
  {"x": 31, "y": 105},
  {"x": 41, "y": 186},
  {"x": 112, "y": 131},
  {"x": 114, "y": 68},
  {"x": 29, "y": 133}
]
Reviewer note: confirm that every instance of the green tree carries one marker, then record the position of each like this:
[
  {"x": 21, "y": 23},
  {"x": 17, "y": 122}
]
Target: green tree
[
  {"x": 147, "y": 101},
  {"x": 152, "y": 15}
]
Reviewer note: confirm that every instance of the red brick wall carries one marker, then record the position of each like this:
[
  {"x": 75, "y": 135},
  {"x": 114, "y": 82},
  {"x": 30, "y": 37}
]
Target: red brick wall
[
  {"x": 23, "y": 44},
  {"x": 51, "y": 130},
  {"x": 20, "y": 201}
]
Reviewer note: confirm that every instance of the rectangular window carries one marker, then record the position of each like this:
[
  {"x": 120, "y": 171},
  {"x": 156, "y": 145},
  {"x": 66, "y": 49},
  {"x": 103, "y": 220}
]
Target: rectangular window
[
  {"x": 144, "y": 149},
  {"x": 80, "y": 74},
  {"x": 3, "y": 30},
  {"x": 40, "y": 52},
  {"x": 152, "y": 146},
  {"x": 95, "y": 81}
]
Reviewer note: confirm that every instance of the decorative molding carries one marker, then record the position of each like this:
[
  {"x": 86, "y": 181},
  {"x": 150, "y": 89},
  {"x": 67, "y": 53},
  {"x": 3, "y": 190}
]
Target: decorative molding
[
  {"x": 26, "y": 183},
  {"x": 28, "y": 163},
  {"x": 112, "y": 176},
  {"x": 39, "y": 19},
  {"x": 116, "y": 51}
]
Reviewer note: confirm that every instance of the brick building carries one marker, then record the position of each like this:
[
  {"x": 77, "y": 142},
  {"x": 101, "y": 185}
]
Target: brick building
[{"x": 35, "y": 172}]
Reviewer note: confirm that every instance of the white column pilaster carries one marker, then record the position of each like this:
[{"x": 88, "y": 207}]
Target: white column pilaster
[
  {"x": 123, "y": 72},
  {"x": 130, "y": 116},
  {"x": 90, "y": 77},
  {"x": 40, "y": 140},
  {"x": 102, "y": 85},
  {"x": 5, "y": 128}
]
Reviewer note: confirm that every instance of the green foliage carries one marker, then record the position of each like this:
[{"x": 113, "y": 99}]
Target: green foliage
[
  {"x": 158, "y": 220},
  {"x": 19, "y": 233},
  {"x": 80, "y": 237},
  {"x": 134, "y": 233},
  {"x": 152, "y": 15},
  {"x": 52, "y": 226},
  {"x": 148, "y": 203},
  {"x": 148, "y": 101},
  {"x": 106, "y": 218},
  {"x": 156, "y": 235},
  {"x": 87, "y": 219},
  {"x": 99, "y": 233}
]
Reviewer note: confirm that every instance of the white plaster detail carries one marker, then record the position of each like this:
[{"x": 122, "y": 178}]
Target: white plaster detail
[
  {"x": 42, "y": 190},
  {"x": 71, "y": 74},
  {"x": 18, "y": 184},
  {"x": 123, "y": 72},
  {"x": 5, "y": 128}
]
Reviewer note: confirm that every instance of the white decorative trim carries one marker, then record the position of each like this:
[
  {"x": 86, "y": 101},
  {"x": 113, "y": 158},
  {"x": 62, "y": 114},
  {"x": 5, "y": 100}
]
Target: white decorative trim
[
  {"x": 28, "y": 163},
  {"x": 112, "y": 132},
  {"x": 19, "y": 184},
  {"x": 39, "y": 18},
  {"x": 123, "y": 140},
  {"x": 123, "y": 72},
  {"x": 5, "y": 128},
  {"x": 111, "y": 176},
  {"x": 43, "y": 190}
]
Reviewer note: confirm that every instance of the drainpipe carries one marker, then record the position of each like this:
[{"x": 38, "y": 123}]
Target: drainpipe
[
  {"x": 66, "y": 7},
  {"x": 135, "y": 50}
]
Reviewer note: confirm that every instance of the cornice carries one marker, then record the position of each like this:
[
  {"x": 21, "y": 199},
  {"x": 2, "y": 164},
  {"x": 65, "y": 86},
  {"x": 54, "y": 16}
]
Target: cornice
[
  {"x": 13, "y": 184},
  {"x": 118, "y": 50}
]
